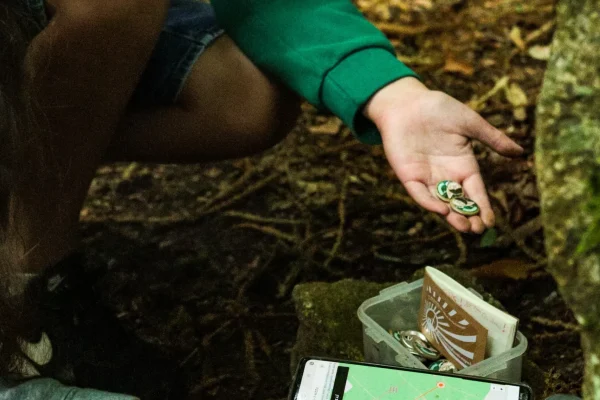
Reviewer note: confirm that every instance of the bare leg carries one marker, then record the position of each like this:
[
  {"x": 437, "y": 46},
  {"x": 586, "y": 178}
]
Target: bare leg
[{"x": 227, "y": 109}]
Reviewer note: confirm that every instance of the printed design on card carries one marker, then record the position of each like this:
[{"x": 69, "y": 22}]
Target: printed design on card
[
  {"x": 450, "y": 329},
  {"x": 437, "y": 322}
]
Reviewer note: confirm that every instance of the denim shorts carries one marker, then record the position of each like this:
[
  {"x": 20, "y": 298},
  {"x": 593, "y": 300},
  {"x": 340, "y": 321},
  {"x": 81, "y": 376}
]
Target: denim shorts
[{"x": 189, "y": 29}]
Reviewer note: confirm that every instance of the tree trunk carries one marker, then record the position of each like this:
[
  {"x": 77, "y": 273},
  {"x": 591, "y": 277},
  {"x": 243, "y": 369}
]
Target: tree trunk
[{"x": 568, "y": 170}]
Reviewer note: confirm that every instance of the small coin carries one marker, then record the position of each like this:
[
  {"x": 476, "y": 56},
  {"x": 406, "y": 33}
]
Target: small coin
[
  {"x": 464, "y": 206},
  {"x": 396, "y": 335},
  {"x": 447, "y": 190},
  {"x": 427, "y": 351},
  {"x": 408, "y": 338},
  {"x": 405, "y": 341},
  {"x": 442, "y": 365}
]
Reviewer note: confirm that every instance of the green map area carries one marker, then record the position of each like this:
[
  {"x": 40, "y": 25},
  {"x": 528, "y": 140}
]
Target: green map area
[{"x": 379, "y": 383}]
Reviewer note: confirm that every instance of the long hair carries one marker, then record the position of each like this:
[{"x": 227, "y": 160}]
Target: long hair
[{"x": 15, "y": 125}]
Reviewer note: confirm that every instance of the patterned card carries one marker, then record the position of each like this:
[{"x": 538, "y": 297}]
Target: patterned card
[{"x": 457, "y": 335}]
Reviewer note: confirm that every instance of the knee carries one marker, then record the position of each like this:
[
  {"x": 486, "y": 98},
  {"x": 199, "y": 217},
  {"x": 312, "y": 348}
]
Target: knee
[
  {"x": 271, "y": 125},
  {"x": 263, "y": 115},
  {"x": 232, "y": 97}
]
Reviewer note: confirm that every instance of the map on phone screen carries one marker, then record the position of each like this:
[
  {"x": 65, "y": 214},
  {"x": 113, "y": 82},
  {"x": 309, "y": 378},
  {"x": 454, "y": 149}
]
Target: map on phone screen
[{"x": 326, "y": 380}]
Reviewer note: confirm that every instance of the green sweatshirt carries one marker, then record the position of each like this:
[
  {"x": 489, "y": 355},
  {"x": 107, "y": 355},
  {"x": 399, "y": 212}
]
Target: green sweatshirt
[{"x": 325, "y": 50}]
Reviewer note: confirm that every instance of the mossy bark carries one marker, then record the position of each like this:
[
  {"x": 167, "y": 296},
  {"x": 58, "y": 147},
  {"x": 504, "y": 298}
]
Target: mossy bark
[{"x": 568, "y": 170}]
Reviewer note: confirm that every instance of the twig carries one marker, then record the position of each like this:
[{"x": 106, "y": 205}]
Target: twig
[
  {"x": 234, "y": 186},
  {"x": 375, "y": 250},
  {"x": 535, "y": 35},
  {"x": 274, "y": 315},
  {"x": 208, "y": 338},
  {"x": 476, "y": 103},
  {"x": 316, "y": 235},
  {"x": 209, "y": 383},
  {"x": 386, "y": 257},
  {"x": 526, "y": 230},
  {"x": 250, "y": 359},
  {"x": 520, "y": 242},
  {"x": 258, "y": 218},
  {"x": 263, "y": 344},
  {"x": 339, "y": 148},
  {"x": 253, "y": 274},
  {"x": 396, "y": 29},
  {"x": 189, "y": 216},
  {"x": 400, "y": 197},
  {"x": 251, "y": 189},
  {"x": 342, "y": 224},
  {"x": 269, "y": 230},
  {"x": 553, "y": 335},
  {"x": 556, "y": 324},
  {"x": 291, "y": 277},
  {"x": 428, "y": 239},
  {"x": 189, "y": 357}
]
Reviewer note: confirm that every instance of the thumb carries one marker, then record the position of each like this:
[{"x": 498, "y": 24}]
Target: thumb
[{"x": 478, "y": 128}]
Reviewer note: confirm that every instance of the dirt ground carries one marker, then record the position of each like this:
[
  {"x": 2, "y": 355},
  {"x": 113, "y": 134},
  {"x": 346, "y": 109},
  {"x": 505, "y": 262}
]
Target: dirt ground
[{"x": 198, "y": 261}]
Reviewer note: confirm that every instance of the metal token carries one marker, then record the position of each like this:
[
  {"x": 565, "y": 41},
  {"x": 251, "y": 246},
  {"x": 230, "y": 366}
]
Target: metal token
[
  {"x": 427, "y": 351},
  {"x": 418, "y": 345},
  {"x": 408, "y": 338},
  {"x": 442, "y": 365},
  {"x": 464, "y": 206},
  {"x": 406, "y": 342},
  {"x": 447, "y": 190}
]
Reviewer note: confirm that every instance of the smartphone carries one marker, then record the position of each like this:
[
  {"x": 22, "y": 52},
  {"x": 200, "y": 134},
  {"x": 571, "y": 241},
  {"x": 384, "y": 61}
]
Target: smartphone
[{"x": 329, "y": 379}]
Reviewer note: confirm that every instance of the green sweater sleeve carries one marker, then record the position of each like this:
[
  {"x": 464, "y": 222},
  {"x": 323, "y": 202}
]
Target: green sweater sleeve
[{"x": 325, "y": 50}]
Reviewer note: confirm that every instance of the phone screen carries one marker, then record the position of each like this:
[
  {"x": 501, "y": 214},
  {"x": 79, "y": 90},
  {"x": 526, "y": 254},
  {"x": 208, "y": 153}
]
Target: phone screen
[{"x": 327, "y": 380}]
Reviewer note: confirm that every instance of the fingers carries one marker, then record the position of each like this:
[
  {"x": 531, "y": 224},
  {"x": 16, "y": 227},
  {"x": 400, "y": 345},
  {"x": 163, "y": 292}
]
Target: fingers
[
  {"x": 478, "y": 128},
  {"x": 421, "y": 194},
  {"x": 475, "y": 190},
  {"x": 477, "y": 225},
  {"x": 460, "y": 222}
]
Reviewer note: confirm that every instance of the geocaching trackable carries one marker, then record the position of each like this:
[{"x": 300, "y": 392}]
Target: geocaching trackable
[
  {"x": 447, "y": 190},
  {"x": 442, "y": 365},
  {"x": 452, "y": 192},
  {"x": 416, "y": 343},
  {"x": 464, "y": 206}
]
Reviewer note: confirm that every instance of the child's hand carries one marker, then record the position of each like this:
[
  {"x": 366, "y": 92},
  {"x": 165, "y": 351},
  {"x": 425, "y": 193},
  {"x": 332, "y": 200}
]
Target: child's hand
[{"x": 426, "y": 136}]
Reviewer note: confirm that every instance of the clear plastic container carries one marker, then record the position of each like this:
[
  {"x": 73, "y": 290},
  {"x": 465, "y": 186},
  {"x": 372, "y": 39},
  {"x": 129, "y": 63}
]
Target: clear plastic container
[{"x": 396, "y": 308}]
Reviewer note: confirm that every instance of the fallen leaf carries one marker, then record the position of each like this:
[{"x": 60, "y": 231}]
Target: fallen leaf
[
  {"x": 128, "y": 171},
  {"x": 424, "y": 4},
  {"x": 507, "y": 268},
  {"x": 331, "y": 127},
  {"x": 517, "y": 38},
  {"x": 477, "y": 103},
  {"x": 488, "y": 238},
  {"x": 515, "y": 95},
  {"x": 540, "y": 52},
  {"x": 213, "y": 172},
  {"x": 460, "y": 67},
  {"x": 520, "y": 113}
]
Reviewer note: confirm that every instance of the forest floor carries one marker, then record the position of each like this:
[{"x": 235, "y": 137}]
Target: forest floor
[{"x": 198, "y": 261}]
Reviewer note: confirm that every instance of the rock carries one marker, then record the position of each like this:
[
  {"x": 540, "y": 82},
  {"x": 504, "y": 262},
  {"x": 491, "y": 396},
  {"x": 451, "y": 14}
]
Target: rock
[{"x": 329, "y": 326}]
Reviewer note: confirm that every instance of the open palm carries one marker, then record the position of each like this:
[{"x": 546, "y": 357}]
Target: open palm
[{"x": 427, "y": 138}]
